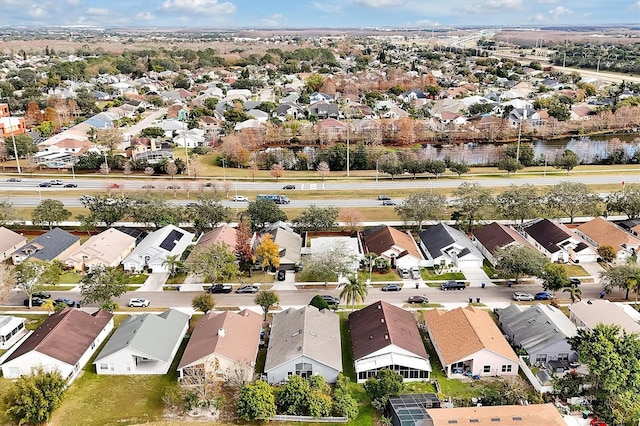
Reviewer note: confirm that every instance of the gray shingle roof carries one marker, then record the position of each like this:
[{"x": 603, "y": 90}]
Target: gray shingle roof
[
  {"x": 440, "y": 236},
  {"x": 48, "y": 246},
  {"x": 150, "y": 334}
]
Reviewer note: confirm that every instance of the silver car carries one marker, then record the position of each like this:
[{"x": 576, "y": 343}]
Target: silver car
[{"x": 521, "y": 297}]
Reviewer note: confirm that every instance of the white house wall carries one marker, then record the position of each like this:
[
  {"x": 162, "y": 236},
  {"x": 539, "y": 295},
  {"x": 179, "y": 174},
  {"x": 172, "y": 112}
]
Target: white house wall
[
  {"x": 29, "y": 362},
  {"x": 391, "y": 355},
  {"x": 280, "y": 373},
  {"x": 486, "y": 357}
]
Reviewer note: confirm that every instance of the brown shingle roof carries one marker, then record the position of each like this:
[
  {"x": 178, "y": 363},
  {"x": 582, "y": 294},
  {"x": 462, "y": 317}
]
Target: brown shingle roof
[
  {"x": 65, "y": 335},
  {"x": 222, "y": 234},
  {"x": 239, "y": 342},
  {"x": 464, "y": 331},
  {"x": 383, "y": 238},
  {"x": 606, "y": 233},
  {"x": 509, "y": 415},
  {"x": 380, "y": 325},
  {"x": 495, "y": 236}
]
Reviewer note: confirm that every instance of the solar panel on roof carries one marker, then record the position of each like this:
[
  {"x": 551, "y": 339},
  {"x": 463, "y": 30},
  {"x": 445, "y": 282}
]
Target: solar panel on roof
[{"x": 172, "y": 239}]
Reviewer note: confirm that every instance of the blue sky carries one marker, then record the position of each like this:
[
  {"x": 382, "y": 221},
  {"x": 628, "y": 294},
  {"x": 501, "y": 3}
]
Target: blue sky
[{"x": 317, "y": 13}]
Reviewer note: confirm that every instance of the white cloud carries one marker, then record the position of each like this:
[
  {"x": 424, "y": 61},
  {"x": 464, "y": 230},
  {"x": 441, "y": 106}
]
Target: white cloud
[
  {"x": 36, "y": 11},
  {"x": 97, "y": 11},
  {"x": 144, "y": 16},
  {"x": 547, "y": 1},
  {"x": 559, "y": 12},
  {"x": 200, "y": 7},
  {"x": 327, "y": 8},
  {"x": 274, "y": 20},
  {"x": 427, "y": 23},
  {"x": 73, "y": 2},
  {"x": 378, "y": 3},
  {"x": 637, "y": 5},
  {"x": 491, "y": 5}
]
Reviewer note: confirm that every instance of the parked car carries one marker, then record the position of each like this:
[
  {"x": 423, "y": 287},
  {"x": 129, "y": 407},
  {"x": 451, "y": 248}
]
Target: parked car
[
  {"x": 543, "y": 295},
  {"x": 574, "y": 281},
  {"x": 418, "y": 299},
  {"x": 383, "y": 197},
  {"x": 208, "y": 185},
  {"x": 65, "y": 301},
  {"x": 247, "y": 289},
  {"x": 14, "y": 179},
  {"x": 331, "y": 300},
  {"x": 138, "y": 302},
  {"x": 282, "y": 274},
  {"x": 392, "y": 287},
  {"x": 289, "y": 186},
  {"x": 597, "y": 422},
  {"x": 41, "y": 295},
  {"x": 415, "y": 273},
  {"x": 240, "y": 198},
  {"x": 453, "y": 285},
  {"x": 220, "y": 288},
  {"x": 44, "y": 184},
  {"x": 518, "y": 296},
  {"x": 388, "y": 203},
  {"x": 71, "y": 185},
  {"x": 35, "y": 301}
]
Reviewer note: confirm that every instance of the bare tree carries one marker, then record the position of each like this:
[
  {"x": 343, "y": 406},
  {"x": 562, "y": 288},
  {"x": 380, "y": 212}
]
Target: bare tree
[
  {"x": 171, "y": 169},
  {"x": 277, "y": 171},
  {"x": 323, "y": 169},
  {"x": 239, "y": 375},
  {"x": 148, "y": 171},
  {"x": 7, "y": 281}
]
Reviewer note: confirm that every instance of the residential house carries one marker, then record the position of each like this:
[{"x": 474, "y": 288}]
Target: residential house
[
  {"x": 12, "y": 329},
  {"x": 285, "y": 110},
  {"x": 600, "y": 232},
  {"x": 398, "y": 247},
  {"x": 143, "y": 344},
  {"x": 541, "y": 330},
  {"x": 64, "y": 342},
  {"x": 304, "y": 342},
  {"x": 589, "y": 313},
  {"x": 10, "y": 242},
  {"x": 192, "y": 138},
  {"x": 220, "y": 343},
  {"x": 444, "y": 245},
  {"x": 223, "y": 234},
  {"x": 491, "y": 238},
  {"x": 56, "y": 244},
  {"x": 154, "y": 250},
  {"x": 468, "y": 342},
  {"x": 289, "y": 244},
  {"x": 107, "y": 248},
  {"x": 557, "y": 242},
  {"x": 324, "y": 110},
  {"x": 319, "y": 97},
  {"x": 520, "y": 415},
  {"x": 149, "y": 149},
  {"x": 385, "y": 336},
  {"x": 102, "y": 120},
  {"x": 350, "y": 245}
]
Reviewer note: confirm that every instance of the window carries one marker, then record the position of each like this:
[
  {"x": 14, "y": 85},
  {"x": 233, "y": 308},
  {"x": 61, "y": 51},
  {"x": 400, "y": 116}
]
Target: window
[
  {"x": 104, "y": 367},
  {"x": 304, "y": 370},
  {"x": 506, "y": 368},
  {"x": 486, "y": 369},
  {"x": 563, "y": 357},
  {"x": 541, "y": 357}
]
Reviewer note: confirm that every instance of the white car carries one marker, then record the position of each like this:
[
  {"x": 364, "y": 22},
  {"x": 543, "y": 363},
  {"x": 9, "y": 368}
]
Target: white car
[
  {"x": 138, "y": 303},
  {"x": 522, "y": 297},
  {"x": 240, "y": 198}
]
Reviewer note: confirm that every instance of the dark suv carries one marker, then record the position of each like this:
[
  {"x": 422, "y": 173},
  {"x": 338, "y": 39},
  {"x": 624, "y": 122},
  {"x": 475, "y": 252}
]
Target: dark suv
[
  {"x": 453, "y": 285},
  {"x": 220, "y": 288},
  {"x": 289, "y": 186},
  {"x": 331, "y": 300}
]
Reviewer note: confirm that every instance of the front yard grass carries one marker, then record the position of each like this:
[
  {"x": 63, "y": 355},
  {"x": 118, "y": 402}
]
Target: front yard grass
[
  {"x": 575, "y": 270},
  {"x": 70, "y": 278},
  {"x": 137, "y": 279},
  {"x": 375, "y": 276},
  {"x": 177, "y": 278},
  {"x": 428, "y": 274}
]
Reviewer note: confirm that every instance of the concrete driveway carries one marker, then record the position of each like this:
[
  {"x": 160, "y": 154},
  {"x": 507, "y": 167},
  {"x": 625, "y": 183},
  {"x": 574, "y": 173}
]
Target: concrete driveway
[{"x": 155, "y": 282}]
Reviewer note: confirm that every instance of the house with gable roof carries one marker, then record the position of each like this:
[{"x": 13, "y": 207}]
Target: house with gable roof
[
  {"x": 541, "y": 330},
  {"x": 444, "y": 245},
  {"x": 398, "y": 247},
  {"x": 10, "y": 242},
  {"x": 56, "y": 244},
  {"x": 64, "y": 342},
  {"x": 107, "y": 248},
  {"x": 468, "y": 342},
  {"x": 220, "y": 342},
  {"x": 385, "y": 336},
  {"x": 304, "y": 342},
  {"x": 12, "y": 329},
  {"x": 589, "y": 313},
  {"x": 289, "y": 244},
  {"x": 143, "y": 344},
  {"x": 491, "y": 238},
  {"x": 600, "y": 232},
  {"x": 152, "y": 252},
  {"x": 557, "y": 242}
]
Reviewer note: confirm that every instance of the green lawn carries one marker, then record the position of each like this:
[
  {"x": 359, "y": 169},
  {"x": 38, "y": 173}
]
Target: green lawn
[
  {"x": 348, "y": 369},
  {"x": 428, "y": 274},
  {"x": 177, "y": 279},
  {"x": 389, "y": 276},
  {"x": 70, "y": 278},
  {"x": 137, "y": 279},
  {"x": 575, "y": 270}
]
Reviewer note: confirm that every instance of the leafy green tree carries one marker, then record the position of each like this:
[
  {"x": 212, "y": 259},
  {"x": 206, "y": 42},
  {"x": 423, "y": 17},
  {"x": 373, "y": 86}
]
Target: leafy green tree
[
  {"x": 510, "y": 165},
  {"x": 32, "y": 399},
  {"x": 266, "y": 299},
  {"x": 104, "y": 209},
  {"x": 419, "y": 207},
  {"x": 173, "y": 263},
  {"x": 626, "y": 201},
  {"x": 612, "y": 357},
  {"x": 214, "y": 263},
  {"x": 152, "y": 132},
  {"x": 624, "y": 276},
  {"x": 353, "y": 291},
  {"x": 25, "y": 146},
  {"x": 318, "y": 302},
  {"x": 415, "y": 166},
  {"x": 314, "y": 83},
  {"x": 471, "y": 199},
  {"x": 329, "y": 265},
  {"x": 315, "y": 218},
  {"x": 102, "y": 284},
  {"x": 607, "y": 253},
  {"x": 293, "y": 397},
  {"x": 49, "y": 212},
  {"x": 554, "y": 277},
  {"x": 391, "y": 166},
  {"x": 571, "y": 199},
  {"x": 459, "y": 168},
  {"x": 33, "y": 276},
  {"x": 319, "y": 404},
  {"x": 344, "y": 404},
  {"x": 203, "y": 302},
  {"x": 384, "y": 384},
  {"x": 518, "y": 260},
  {"x": 567, "y": 161},
  {"x": 154, "y": 209},
  {"x": 256, "y": 402},
  {"x": 518, "y": 202},
  {"x": 263, "y": 212},
  {"x": 207, "y": 213},
  {"x": 435, "y": 167},
  {"x": 526, "y": 157}
]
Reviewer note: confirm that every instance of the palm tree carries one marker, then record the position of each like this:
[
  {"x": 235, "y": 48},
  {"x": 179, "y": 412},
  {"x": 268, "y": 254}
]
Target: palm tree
[
  {"x": 173, "y": 263},
  {"x": 353, "y": 291},
  {"x": 575, "y": 292}
]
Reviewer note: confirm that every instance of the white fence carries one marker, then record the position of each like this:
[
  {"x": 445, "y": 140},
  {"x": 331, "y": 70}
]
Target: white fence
[{"x": 532, "y": 377}]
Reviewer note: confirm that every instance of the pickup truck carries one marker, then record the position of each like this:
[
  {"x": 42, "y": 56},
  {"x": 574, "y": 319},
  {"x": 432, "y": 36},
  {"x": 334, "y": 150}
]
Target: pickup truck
[
  {"x": 55, "y": 182},
  {"x": 453, "y": 285}
]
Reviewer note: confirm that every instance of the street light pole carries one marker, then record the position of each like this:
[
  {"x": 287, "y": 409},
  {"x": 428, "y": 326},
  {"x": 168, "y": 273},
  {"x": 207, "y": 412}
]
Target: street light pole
[
  {"x": 15, "y": 152},
  {"x": 347, "y": 148},
  {"x": 186, "y": 153},
  {"x": 106, "y": 163}
]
